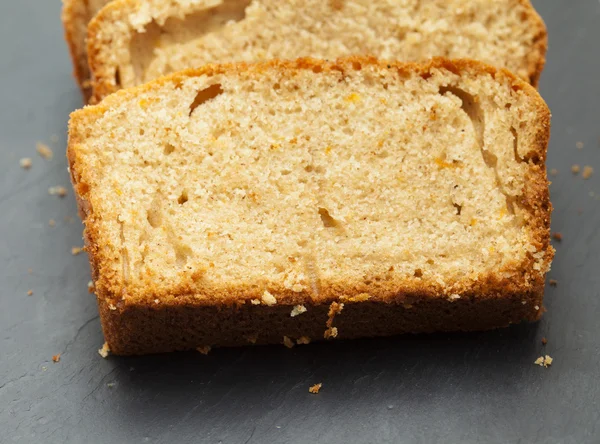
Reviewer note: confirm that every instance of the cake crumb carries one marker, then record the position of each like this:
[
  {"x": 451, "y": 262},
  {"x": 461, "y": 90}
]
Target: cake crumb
[
  {"x": 544, "y": 341},
  {"x": 252, "y": 339},
  {"x": 204, "y": 349},
  {"x": 334, "y": 309},
  {"x": 544, "y": 361},
  {"x": 25, "y": 163},
  {"x": 298, "y": 310},
  {"x": 56, "y": 358},
  {"x": 554, "y": 172},
  {"x": 314, "y": 389},
  {"x": 453, "y": 297},
  {"x": 288, "y": 342},
  {"x": 44, "y": 151},
  {"x": 59, "y": 191},
  {"x": 579, "y": 145},
  {"x": 557, "y": 236},
  {"x": 553, "y": 282},
  {"x": 255, "y": 302},
  {"x": 77, "y": 250},
  {"x": 104, "y": 351},
  {"x": 91, "y": 287},
  {"x": 537, "y": 307},
  {"x": 157, "y": 301},
  {"x": 587, "y": 172},
  {"x": 29, "y": 292},
  {"x": 331, "y": 332},
  {"x": 575, "y": 169},
  {"x": 52, "y": 223},
  {"x": 303, "y": 340},
  {"x": 268, "y": 299},
  {"x": 111, "y": 307}
]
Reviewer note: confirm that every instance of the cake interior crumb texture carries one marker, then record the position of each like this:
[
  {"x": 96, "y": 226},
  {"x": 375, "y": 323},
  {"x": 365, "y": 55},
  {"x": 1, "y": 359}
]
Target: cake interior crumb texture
[
  {"x": 356, "y": 181},
  {"x": 132, "y": 41}
]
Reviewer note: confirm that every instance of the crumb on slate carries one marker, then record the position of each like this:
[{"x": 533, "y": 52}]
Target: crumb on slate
[
  {"x": 587, "y": 172},
  {"x": 29, "y": 292},
  {"x": 579, "y": 145},
  {"x": 288, "y": 342},
  {"x": 52, "y": 222},
  {"x": 557, "y": 236},
  {"x": 544, "y": 361},
  {"x": 204, "y": 349},
  {"x": 315, "y": 388},
  {"x": 77, "y": 250},
  {"x": 56, "y": 358},
  {"x": 59, "y": 191},
  {"x": 44, "y": 151},
  {"x": 553, "y": 282},
  {"x": 104, "y": 351},
  {"x": 303, "y": 340},
  {"x": 544, "y": 341},
  {"x": 575, "y": 169},
  {"x": 25, "y": 163},
  {"x": 553, "y": 171},
  {"x": 90, "y": 286}
]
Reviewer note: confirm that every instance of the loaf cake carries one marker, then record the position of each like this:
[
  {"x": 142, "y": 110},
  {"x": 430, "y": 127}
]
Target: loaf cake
[
  {"x": 292, "y": 201},
  {"x": 133, "y": 41},
  {"x": 76, "y": 14}
]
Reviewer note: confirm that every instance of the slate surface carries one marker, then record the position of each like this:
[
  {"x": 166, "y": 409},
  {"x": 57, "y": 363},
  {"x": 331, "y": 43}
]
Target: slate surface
[{"x": 459, "y": 388}]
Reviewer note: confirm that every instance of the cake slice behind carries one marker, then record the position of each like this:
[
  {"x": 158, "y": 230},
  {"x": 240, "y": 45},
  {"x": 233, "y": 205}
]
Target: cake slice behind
[
  {"x": 76, "y": 14},
  {"x": 365, "y": 197},
  {"x": 134, "y": 41}
]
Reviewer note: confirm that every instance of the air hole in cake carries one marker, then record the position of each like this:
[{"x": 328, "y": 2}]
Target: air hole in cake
[
  {"x": 205, "y": 95},
  {"x": 183, "y": 198},
  {"x": 182, "y": 254},
  {"x": 168, "y": 149},
  {"x": 328, "y": 221},
  {"x": 154, "y": 213}
]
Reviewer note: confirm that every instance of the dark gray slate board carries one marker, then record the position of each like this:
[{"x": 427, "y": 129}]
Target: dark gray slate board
[{"x": 479, "y": 387}]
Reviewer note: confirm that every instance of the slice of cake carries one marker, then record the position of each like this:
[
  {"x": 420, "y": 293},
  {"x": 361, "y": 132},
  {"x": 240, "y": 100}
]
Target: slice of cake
[
  {"x": 237, "y": 204},
  {"x": 134, "y": 41}
]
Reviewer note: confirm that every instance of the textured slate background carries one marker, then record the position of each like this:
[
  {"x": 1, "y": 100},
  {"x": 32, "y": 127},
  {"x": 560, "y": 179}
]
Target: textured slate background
[{"x": 459, "y": 388}]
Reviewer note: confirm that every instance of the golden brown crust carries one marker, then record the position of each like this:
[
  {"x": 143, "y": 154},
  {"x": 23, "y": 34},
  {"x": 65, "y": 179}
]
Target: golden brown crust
[
  {"x": 537, "y": 56},
  {"x": 106, "y": 77},
  {"x": 75, "y": 17},
  {"x": 509, "y": 300},
  {"x": 73, "y": 14}
]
